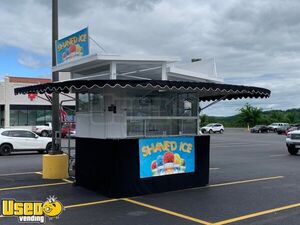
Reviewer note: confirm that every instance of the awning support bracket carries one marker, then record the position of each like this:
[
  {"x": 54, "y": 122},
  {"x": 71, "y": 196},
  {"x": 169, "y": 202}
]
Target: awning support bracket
[{"x": 214, "y": 102}]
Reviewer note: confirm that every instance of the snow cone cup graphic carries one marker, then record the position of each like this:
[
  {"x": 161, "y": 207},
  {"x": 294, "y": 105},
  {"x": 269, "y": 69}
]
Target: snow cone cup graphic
[
  {"x": 177, "y": 163},
  {"x": 154, "y": 168},
  {"x": 169, "y": 162},
  {"x": 182, "y": 166},
  {"x": 182, "y": 169},
  {"x": 176, "y": 168},
  {"x": 161, "y": 170},
  {"x": 169, "y": 168},
  {"x": 154, "y": 172},
  {"x": 78, "y": 48},
  {"x": 160, "y": 165}
]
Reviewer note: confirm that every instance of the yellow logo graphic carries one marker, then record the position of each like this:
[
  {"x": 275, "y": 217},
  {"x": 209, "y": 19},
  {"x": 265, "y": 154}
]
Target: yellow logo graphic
[{"x": 32, "y": 211}]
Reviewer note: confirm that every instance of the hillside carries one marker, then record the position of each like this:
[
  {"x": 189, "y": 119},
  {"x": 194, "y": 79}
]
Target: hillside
[{"x": 268, "y": 117}]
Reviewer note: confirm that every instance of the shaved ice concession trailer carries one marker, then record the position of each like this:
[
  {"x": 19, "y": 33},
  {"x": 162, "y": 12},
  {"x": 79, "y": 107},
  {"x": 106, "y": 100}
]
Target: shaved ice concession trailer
[{"x": 137, "y": 128}]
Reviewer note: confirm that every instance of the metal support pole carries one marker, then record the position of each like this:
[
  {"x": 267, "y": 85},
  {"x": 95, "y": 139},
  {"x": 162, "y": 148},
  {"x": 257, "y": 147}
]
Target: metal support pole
[
  {"x": 55, "y": 77},
  {"x": 164, "y": 75}
]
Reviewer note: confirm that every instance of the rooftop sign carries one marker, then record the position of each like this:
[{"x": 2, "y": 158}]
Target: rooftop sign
[{"x": 73, "y": 46}]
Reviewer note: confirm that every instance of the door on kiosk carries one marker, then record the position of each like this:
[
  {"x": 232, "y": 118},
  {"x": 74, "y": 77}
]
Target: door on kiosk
[{"x": 115, "y": 117}]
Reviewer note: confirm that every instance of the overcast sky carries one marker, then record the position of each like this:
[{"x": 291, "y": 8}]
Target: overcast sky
[{"x": 254, "y": 42}]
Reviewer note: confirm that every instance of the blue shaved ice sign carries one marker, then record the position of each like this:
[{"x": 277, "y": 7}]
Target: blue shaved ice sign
[
  {"x": 166, "y": 156},
  {"x": 72, "y": 47}
]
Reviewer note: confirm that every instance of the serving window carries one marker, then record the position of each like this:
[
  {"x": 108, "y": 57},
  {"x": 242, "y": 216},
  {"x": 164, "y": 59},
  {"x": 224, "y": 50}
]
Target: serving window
[
  {"x": 90, "y": 102},
  {"x": 141, "y": 114},
  {"x": 162, "y": 114}
]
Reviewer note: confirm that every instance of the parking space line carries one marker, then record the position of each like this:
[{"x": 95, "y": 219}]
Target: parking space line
[
  {"x": 239, "y": 145},
  {"x": 14, "y": 174},
  {"x": 278, "y": 155},
  {"x": 33, "y": 186},
  {"x": 213, "y": 168},
  {"x": 69, "y": 181},
  {"x": 91, "y": 203},
  {"x": 168, "y": 212},
  {"x": 244, "y": 181},
  {"x": 265, "y": 212},
  {"x": 87, "y": 204},
  {"x": 66, "y": 180},
  {"x": 233, "y": 183}
]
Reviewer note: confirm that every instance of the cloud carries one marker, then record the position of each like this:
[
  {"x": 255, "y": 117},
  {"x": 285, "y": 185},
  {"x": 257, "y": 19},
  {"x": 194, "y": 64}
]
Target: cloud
[
  {"x": 284, "y": 94},
  {"x": 31, "y": 61},
  {"x": 249, "y": 39}
]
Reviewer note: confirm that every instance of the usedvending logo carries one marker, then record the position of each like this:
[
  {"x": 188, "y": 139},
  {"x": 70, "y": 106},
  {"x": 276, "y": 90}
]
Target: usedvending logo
[{"x": 32, "y": 211}]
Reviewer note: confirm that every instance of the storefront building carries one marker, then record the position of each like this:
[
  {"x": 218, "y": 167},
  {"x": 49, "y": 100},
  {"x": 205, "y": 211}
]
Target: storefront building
[{"x": 25, "y": 110}]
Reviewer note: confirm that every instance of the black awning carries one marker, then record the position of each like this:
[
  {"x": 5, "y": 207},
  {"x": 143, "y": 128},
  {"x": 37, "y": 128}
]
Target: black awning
[{"x": 207, "y": 91}]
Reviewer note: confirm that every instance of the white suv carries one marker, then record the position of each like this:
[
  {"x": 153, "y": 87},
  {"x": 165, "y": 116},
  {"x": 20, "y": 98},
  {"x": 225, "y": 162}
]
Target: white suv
[
  {"x": 213, "y": 128},
  {"x": 293, "y": 142},
  {"x": 22, "y": 140},
  {"x": 274, "y": 126},
  {"x": 43, "y": 130}
]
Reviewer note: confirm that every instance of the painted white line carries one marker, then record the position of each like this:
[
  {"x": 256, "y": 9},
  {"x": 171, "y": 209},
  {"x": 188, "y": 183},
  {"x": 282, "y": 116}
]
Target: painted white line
[
  {"x": 232, "y": 183},
  {"x": 15, "y": 174},
  {"x": 278, "y": 155},
  {"x": 244, "y": 181},
  {"x": 239, "y": 145},
  {"x": 213, "y": 168}
]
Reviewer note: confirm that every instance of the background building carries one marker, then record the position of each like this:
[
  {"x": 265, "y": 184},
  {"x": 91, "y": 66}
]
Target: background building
[{"x": 26, "y": 110}]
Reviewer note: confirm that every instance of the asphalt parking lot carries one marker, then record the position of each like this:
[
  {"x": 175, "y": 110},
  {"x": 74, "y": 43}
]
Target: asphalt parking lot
[{"x": 253, "y": 180}]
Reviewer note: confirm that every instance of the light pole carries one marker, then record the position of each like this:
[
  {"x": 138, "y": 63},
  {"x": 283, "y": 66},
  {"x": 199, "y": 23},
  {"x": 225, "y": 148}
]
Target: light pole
[{"x": 55, "y": 77}]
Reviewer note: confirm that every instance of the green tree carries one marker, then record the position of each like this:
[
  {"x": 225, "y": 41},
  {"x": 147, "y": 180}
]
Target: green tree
[
  {"x": 290, "y": 117},
  {"x": 250, "y": 115},
  {"x": 265, "y": 120},
  {"x": 277, "y": 116},
  {"x": 203, "y": 120}
]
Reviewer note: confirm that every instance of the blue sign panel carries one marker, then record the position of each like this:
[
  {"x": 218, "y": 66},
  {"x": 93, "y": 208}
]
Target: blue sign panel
[
  {"x": 73, "y": 46},
  {"x": 166, "y": 155}
]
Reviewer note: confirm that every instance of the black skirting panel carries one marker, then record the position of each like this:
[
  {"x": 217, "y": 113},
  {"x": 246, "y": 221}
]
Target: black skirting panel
[{"x": 111, "y": 167}]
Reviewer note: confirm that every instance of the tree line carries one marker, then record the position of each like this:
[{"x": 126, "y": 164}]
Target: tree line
[{"x": 250, "y": 116}]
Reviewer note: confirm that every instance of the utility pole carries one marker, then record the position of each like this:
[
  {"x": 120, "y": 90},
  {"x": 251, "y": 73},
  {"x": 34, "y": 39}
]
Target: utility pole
[{"x": 55, "y": 77}]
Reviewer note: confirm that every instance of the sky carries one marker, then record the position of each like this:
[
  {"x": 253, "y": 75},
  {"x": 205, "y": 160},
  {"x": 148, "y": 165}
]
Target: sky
[{"x": 254, "y": 42}]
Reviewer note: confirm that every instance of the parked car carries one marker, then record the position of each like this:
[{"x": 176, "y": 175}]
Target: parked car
[
  {"x": 72, "y": 134},
  {"x": 213, "y": 128},
  {"x": 259, "y": 129},
  {"x": 274, "y": 126},
  {"x": 43, "y": 130},
  {"x": 292, "y": 128},
  {"x": 283, "y": 129},
  {"x": 293, "y": 142},
  {"x": 22, "y": 140},
  {"x": 67, "y": 128}
]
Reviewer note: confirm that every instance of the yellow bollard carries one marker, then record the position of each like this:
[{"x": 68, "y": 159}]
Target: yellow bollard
[{"x": 55, "y": 166}]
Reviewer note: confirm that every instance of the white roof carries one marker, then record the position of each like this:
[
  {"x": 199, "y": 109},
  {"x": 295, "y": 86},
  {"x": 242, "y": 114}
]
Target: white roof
[
  {"x": 142, "y": 67},
  {"x": 92, "y": 60}
]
